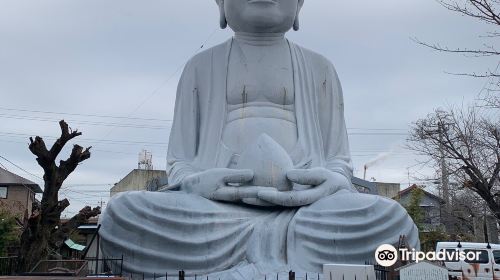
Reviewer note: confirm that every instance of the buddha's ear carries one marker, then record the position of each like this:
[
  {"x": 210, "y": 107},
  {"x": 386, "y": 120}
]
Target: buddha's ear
[
  {"x": 296, "y": 21},
  {"x": 222, "y": 12}
]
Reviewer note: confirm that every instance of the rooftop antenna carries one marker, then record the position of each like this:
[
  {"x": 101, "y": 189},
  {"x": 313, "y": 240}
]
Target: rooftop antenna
[{"x": 145, "y": 160}]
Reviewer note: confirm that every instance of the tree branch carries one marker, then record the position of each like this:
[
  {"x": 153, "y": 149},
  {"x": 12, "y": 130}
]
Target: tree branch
[
  {"x": 64, "y": 230},
  {"x": 66, "y": 134},
  {"x": 77, "y": 155},
  {"x": 476, "y": 52},
  {"x": 39, "y": 149}
]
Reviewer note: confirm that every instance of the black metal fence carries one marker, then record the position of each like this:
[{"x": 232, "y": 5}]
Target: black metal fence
[
  {"x": 8, "y": 265},
  {"x": 381, "y": 273},
  {"x": 181, "y": 275},
  {"x": 93, "y": 267},
  {"x": 105, "y": 266},
  {"x": 114, "y": 267}
]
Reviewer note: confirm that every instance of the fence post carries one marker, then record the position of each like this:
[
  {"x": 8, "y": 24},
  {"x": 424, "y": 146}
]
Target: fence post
[
  {"x": 104, "y": 265},
  {"x": 291, "y": 275},
  {"x": 97, "y": 257},
  {"x": 121, "y": 267}
]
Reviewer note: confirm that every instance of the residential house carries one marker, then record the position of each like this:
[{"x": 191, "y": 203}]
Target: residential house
[
  {"x": 17, "y": 194},
  {"x": 430, "y": 204}
]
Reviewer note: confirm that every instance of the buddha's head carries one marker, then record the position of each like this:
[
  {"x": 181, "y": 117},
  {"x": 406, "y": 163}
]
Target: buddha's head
[{"x": 260, "y": 16}]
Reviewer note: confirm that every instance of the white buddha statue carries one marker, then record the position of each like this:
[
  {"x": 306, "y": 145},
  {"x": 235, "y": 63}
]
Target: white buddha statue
[{"x": 259, "y": 154}]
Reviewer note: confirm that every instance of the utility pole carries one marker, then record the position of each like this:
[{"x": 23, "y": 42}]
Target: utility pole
[
  {"x": 409, "y": 182},
  {"x": 102, "y": 202},
  {"x": 444, "y": 170}
]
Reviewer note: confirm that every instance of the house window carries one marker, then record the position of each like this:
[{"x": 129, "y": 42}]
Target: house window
[{"x": 3, "y": 192}]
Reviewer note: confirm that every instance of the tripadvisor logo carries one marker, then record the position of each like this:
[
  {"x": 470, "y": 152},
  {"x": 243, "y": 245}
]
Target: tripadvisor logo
[{"x": 387, "y": 255}]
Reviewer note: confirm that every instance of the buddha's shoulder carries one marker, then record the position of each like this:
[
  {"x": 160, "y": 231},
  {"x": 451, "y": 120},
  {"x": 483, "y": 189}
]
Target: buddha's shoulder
[
  {"x": 206, "y": 57},
  {"x": 218, "y": 53},
  {"x": 317, "y": 60}
]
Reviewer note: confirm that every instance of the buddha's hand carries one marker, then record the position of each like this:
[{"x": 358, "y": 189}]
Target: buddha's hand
[
  {"x": 323, "y": 183},
  {"x": 221, "y": 184}
]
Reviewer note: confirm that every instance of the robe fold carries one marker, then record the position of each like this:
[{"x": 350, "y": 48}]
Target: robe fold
[{"x": 160, "y": 232}]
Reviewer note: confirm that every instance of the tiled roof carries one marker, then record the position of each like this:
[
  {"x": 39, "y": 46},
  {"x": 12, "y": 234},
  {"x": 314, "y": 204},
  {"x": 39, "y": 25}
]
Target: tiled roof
[{"x": 412, "y": 187}]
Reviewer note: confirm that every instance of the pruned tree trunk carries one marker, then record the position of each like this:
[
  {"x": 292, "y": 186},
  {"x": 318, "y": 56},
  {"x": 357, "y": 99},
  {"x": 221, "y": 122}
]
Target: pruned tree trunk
[{"x": 44, "y": 233}]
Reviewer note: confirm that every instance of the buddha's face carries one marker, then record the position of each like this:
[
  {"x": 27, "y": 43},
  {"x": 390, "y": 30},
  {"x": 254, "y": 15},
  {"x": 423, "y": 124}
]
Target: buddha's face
[{"x": 261, "y": 16}]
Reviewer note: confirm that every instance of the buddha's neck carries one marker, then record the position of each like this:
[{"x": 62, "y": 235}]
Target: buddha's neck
[{"x": 260, "y": 39}]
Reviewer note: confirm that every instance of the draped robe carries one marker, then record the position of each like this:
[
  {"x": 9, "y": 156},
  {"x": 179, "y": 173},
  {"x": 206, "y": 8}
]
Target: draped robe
[{"x": 169, "y": 231}]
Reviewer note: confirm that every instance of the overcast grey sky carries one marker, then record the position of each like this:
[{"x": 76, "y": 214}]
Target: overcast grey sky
[{"x": 123, "y": 58}]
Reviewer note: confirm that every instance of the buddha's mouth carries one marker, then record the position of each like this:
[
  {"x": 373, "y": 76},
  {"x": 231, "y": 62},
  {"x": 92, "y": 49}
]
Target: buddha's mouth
[{"x": 263, "y": 1}]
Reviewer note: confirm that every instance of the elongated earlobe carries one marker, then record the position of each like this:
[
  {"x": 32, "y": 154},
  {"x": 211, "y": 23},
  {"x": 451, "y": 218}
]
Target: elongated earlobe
[
  {"x": 222, "y": 20},
  {"x": 296, "y": 23}
]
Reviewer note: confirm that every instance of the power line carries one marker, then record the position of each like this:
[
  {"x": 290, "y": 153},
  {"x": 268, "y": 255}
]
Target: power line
[
  {"x": 84, "y": 115},
  {"x": 67, "y": 186},
  {"x": 90, "y": 140},
  {"x": 19, "y": 167},
  {"x": 93, "y": 150},
  {"x": 88, "y": 185},
  {"x": 377, "y": 133},
  {"x": 24, "y": 117},
  {"x": 92, "y": 123},
  {"x": 155, "y": 91},
  {"x": 113, "y": 141},
  {"x": 163, "y": 127},
  {"x": 3, "y": 166},
  {"x": 367, "y": 128}
]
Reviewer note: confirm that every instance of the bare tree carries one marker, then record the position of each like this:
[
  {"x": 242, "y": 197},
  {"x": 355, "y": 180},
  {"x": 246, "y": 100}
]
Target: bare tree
[
  {"x": 44, "y": 232},
  {"x": 468, "y": 140},
  {"x": 488, "y": 12}
]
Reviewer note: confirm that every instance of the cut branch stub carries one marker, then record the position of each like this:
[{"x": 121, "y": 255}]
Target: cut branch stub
[
  {"x": 38, "y": 148},
  {"x": 66, "y": 134},
  {"x": 64, "y": 230},
  {"x": 78, "y": 154}
]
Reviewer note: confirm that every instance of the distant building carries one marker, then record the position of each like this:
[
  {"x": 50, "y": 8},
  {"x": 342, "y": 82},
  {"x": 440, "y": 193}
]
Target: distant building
[
  {"x": 83, "y": 240},
  {"x": 430, "y": 204},
  {"x": 17, "y": 194},
  {"x": 137, "y": 180},
  {"x": 389, "y": 190}
]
